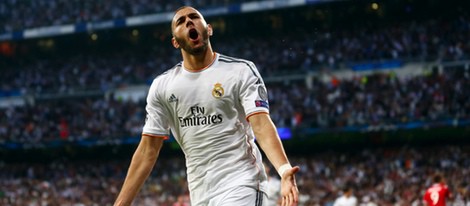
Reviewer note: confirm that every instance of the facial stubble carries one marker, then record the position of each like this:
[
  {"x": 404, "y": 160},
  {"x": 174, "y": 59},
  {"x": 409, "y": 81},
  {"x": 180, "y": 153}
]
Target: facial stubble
[{"x": 185, "y": 45}]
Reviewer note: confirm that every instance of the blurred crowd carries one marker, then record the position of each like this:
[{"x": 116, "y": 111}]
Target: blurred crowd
[
  {"x": 278, "y": 54},
  {"x": 17, "y": 15},
  {"x": 380, "y": 176},
  {"x": 71, "y": 120},
  {"x": 380, "y": 99},
  {"x": 90, "y": 183},
  {"x": 377, "y": 99},
  {"x": 383, "y": 176},
  {"x": 85, "y": 73}
]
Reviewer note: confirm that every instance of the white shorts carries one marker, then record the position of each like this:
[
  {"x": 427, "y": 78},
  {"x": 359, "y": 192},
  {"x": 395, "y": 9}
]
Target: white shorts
[{"x": 240, "y": 196}]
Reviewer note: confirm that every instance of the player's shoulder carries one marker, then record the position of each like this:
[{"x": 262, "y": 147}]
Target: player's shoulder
[
  {"x": 445, "y": 186},
  {"x": 168, "y": 74},
  {"x": 234, "y": 60},
  {"x": 245, "y": 68}
]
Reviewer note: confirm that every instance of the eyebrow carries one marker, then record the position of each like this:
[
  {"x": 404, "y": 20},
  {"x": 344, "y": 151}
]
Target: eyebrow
[{"x": 190, "y": 15}]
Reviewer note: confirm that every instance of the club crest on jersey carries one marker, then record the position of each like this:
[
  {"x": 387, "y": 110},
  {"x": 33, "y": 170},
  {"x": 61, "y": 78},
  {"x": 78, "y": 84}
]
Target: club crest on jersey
[{"x": 218, "y": 90}]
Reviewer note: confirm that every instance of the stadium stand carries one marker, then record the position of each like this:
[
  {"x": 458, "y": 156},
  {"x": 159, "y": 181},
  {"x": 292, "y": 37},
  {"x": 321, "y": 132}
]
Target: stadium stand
[
  {"x": 385, "y": 176},
  {"x": 14, "y": 14},
  {"x": 274, "y": 55},
  {"x": 379, "y": 99},
  {"x": 67, "y": 128}
]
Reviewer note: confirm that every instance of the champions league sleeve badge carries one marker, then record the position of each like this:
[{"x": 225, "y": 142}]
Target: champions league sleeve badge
[
  {"x": 218, "y": 91},
  {"x": 263, "y": 95}
]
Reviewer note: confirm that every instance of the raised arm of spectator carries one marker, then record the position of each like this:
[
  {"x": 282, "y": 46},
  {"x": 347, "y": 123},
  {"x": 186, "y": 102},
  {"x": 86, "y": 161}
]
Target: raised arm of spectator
[
  {"x": 142, "y": 163},
  {"x": 269, "y": 141}
]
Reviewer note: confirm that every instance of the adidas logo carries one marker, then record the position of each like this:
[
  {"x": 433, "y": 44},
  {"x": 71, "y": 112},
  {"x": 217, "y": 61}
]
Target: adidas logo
[{"x": 172, "y": 98}]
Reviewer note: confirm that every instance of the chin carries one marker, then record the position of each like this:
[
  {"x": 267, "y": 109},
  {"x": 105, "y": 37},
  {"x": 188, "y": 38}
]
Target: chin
[{"x": 197, "y": 50}]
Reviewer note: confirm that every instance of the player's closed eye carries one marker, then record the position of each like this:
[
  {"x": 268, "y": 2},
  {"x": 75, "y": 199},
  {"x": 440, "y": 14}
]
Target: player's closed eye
[{"x": 193, "y": 16}]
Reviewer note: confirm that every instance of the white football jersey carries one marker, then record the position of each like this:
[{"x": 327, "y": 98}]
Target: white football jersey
[{"x": 207, "y": 112}]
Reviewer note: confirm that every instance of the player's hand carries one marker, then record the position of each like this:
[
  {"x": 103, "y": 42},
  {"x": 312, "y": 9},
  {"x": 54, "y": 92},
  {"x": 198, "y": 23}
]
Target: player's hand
[{"x": 289, "y": 190}]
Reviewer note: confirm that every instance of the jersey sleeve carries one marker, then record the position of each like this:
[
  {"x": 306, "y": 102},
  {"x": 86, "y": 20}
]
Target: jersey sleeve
[
  {"x": 253, "y": 93},
  {"x": 426, "y": 197},
  {"x": 156, "y": 123}
]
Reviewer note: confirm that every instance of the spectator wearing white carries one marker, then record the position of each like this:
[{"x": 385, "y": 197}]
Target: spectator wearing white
[
  {"x": 347, "y": 198},
  {"x": 274, "y": 188}
]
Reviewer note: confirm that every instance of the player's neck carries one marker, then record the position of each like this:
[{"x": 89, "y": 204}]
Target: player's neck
[{"x": 199, "y": 62}]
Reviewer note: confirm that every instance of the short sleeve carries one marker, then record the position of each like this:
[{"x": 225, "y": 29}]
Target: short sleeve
[
  {"x": 253, "y": 93},
  {"x": 156, "y": 120}
]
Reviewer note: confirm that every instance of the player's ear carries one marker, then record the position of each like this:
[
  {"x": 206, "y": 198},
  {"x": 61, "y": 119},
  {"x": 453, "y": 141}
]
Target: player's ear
[
  {"x": 175, "y": 43},
  {"x": 209, "y": 29}
]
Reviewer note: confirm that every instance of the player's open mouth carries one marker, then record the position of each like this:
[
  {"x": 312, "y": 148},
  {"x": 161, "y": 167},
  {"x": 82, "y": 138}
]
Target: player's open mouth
[{"x": 193, "y": 34}]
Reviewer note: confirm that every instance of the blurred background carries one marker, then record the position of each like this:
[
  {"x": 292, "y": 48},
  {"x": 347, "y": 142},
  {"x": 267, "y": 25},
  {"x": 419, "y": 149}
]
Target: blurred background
[{"x": 373, "y": 94}]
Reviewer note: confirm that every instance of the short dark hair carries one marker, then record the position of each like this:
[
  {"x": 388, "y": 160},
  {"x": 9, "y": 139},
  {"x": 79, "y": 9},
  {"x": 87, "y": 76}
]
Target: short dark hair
[
  {"x": 182, "y": 7},
  {"x": 437, "y": 178},
  {"x": 347, "y": 188}
]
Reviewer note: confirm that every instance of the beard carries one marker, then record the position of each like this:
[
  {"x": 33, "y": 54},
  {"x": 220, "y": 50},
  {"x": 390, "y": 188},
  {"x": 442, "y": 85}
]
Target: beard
[{"x": 186, "y": 46}]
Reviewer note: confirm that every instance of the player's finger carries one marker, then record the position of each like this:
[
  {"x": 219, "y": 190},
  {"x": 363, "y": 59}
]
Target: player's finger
[
  {"x": 292, "y": 200},
  {"x": 289, "y": 200},
  {"x": 284, "y": 201},
  {"x": 295, "y": 194}
]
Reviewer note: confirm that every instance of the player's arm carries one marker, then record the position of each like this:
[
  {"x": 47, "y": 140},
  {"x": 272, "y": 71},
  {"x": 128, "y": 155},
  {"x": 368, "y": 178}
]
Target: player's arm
[
  {"x": 425, "y": 199},
  {"x": 449, "y": 194},
  {"x": 269, "y": 141},
  {"x": 142, "y": 163}
]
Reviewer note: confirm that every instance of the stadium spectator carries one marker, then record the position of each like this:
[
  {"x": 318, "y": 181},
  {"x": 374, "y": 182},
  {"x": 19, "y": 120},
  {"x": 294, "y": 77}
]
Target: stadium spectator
[
  {"x": 347, "y": 198},
  {"x": 462, "y": 197}
]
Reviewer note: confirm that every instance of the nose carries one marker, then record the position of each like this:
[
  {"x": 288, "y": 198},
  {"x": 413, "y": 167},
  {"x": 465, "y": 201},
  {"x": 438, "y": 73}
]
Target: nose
[{"x": 189, "y": 22}]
